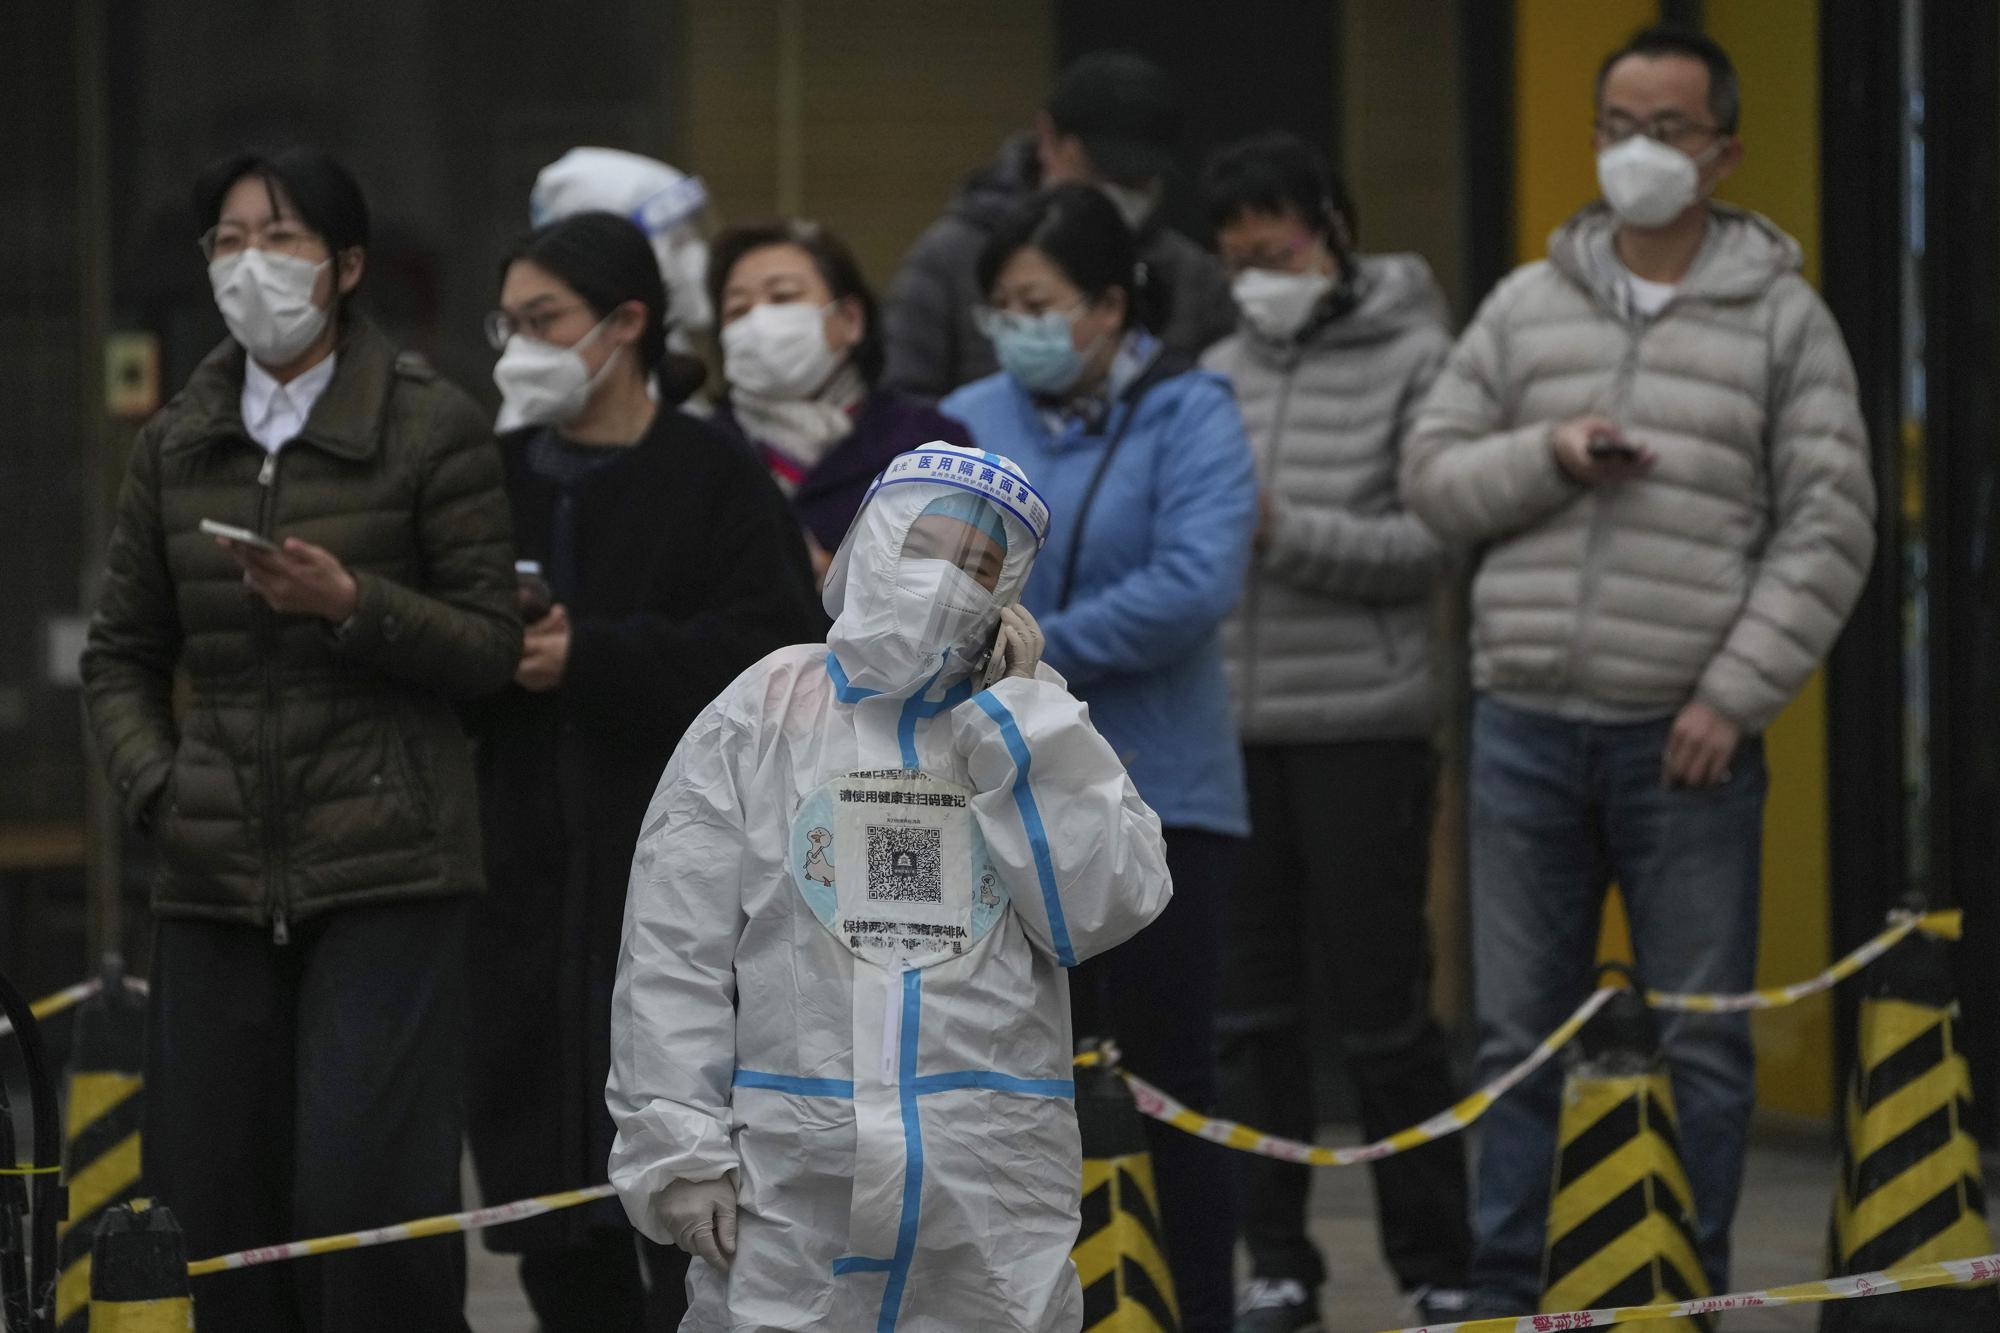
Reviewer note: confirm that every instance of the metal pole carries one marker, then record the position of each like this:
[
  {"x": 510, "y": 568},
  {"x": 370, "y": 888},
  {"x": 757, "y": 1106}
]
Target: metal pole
[{"x": 104, "y": 926}]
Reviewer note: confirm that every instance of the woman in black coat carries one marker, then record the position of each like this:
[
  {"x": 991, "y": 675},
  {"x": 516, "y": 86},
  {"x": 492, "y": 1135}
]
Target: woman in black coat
[{"x": 674, "y": 564}]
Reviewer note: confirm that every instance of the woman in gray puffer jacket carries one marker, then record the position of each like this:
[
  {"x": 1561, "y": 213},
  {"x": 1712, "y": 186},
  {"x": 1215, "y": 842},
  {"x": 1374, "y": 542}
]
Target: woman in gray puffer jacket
[{"x": 1330, "y": 654}]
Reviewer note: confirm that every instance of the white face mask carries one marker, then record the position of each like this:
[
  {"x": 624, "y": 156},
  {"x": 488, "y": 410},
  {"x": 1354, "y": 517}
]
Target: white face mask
[
  {"x": 1277, "y": 305},
  {"x": 779, "y": 350},
  {"x": 542, "y": 384},
  {"x": 1647, "y": 183},
  {"x": 940, "y": 606},
  {"x": 267, "y": 302},
  {"x": 1135, "y": 203}
]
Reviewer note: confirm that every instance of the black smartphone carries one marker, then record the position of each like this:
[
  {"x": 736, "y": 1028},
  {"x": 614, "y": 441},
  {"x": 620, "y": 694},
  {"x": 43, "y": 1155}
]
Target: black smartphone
[{"x": 1611, "y": 449}]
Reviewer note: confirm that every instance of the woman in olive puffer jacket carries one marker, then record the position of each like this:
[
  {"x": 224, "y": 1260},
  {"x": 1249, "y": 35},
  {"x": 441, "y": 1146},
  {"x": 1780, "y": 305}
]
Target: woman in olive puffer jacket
[{"x": 309, "y": 792}]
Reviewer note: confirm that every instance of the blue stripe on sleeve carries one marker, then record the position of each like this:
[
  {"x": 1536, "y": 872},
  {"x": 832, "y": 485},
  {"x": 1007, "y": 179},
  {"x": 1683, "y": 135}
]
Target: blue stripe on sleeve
[{"x": 1031, "y": 820}]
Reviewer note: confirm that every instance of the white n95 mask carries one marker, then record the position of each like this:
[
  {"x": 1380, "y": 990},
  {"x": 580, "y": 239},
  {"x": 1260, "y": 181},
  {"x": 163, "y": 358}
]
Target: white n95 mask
[
  {"x": 266, "y": 300},
  {"x": 779, "y": 350},
  {"x": 1277, "y": 305},
  {"x": 542, "y": 384},
  {"x": 1646, "y": 183}
]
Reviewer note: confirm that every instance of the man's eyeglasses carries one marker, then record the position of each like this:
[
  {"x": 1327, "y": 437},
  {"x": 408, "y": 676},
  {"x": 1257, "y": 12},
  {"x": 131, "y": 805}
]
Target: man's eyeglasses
[{"x": 1670, "y": 129}]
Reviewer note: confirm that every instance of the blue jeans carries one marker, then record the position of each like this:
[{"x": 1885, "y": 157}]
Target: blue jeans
[{"x": 1560, "y": 810}]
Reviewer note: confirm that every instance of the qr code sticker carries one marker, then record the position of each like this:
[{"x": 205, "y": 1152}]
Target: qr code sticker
[{"x": 904, "y": 865}]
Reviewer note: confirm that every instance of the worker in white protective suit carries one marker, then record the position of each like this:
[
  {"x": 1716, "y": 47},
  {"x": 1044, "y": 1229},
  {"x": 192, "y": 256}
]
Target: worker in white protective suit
[
  {"x": 666, "y": 204},
  {"x": 840, "y": 1049}
]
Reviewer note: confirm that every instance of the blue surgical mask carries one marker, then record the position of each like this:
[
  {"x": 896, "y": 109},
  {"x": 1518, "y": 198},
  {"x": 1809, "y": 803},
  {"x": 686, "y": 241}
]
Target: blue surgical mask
[{"x": 1037, "y": 350}]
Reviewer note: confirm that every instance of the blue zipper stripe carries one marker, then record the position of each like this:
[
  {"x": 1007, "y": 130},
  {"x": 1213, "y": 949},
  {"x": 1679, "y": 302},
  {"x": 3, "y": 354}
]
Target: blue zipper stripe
[
  {"x": 913, "y": 1152},
  {"x": 1031, "y": 820}
]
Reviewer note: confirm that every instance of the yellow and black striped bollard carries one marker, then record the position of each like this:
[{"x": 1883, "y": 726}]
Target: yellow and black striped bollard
[
  {"x": 100, "y": 1133},
  {"x": 139, "y": 1273},
  {"x": 1620, "y": 1227},
  {"x": 1120, "y": 1255},
  {"x": 1910, "y": 1189}
]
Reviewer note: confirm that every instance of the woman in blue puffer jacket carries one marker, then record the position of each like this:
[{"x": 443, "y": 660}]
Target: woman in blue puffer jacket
[{"x": 1145, "y": 464}]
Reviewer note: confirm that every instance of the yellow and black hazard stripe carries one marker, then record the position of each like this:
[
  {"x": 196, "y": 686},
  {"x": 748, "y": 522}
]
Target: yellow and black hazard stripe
[
  {"x": 139, "y": 1273},
  {"x": 1120, "y": 1253},
  {"x": 100, "y": 1137},
  {"x": 1910, "y": 1183},
  {"x": 1910, "y": 1189},
  {"x": 1620, "y": 1228}
]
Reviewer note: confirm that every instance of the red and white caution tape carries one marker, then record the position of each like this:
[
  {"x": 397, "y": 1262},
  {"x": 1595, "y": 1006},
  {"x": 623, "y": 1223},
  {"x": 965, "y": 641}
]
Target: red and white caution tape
[
  {"x": 476, "y": 1220},
  {"x": 1157, "y": 1104},
  {"x": 67, "y": 998}
]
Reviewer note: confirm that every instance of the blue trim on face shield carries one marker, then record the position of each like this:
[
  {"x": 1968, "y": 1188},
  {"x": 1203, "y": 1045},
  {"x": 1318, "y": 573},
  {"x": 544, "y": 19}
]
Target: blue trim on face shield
[
  {"x": 1031, "y": 820},
  {"x": 797, "y": 1087}
]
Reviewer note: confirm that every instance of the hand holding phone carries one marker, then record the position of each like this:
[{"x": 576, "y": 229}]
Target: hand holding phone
[
  {"x": 1017, "y": 647},
  {"x": 241, "y": 536},
  {"x": 1593, "y": 451}
]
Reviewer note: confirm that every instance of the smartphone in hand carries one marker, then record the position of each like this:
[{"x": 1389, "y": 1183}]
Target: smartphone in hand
[
  {"x": 241, "y": 536},
  {"x": 1611, "y": 449},
  {"x": 997, "y": 661}
]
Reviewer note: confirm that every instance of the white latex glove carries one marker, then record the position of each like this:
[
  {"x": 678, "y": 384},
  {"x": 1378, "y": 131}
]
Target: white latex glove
[
  {"x": 1017, "y": 647},
  {"x": 701, "y": 1217}
]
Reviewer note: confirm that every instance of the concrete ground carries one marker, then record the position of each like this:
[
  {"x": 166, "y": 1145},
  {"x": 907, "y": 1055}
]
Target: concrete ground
[{"x": 1780, "y": 1238}]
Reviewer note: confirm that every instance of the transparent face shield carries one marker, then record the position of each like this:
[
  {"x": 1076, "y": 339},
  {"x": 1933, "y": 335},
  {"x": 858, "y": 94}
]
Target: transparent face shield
[{"x": 949, "y": 570}]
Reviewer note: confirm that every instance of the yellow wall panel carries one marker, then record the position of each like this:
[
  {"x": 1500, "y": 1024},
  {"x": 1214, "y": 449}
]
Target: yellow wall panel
[
  {"x": 1775, "y": 44},
  {"x": 883, "y": 106},
  {"x": 1557, "y": 47}
]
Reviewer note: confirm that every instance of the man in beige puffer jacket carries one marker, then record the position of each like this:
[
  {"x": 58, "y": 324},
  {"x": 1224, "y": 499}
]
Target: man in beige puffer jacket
[{"x": 1652, "y": 442}]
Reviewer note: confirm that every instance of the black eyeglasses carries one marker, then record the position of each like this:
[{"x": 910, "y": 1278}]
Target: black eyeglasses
[{"x": 1668, "y": 128}]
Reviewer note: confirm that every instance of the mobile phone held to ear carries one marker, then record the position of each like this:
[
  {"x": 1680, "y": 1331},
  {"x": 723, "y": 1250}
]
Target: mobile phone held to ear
[
  {"x": 1611, "y": 449},
  {"x": 997, "y": 660},
  {"x": 241, "y": 536}
]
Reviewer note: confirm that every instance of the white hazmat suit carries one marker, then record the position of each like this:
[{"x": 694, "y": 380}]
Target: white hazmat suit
[
  {"x": 664, "y": 203},
  {"x": 843, "y": 975}
]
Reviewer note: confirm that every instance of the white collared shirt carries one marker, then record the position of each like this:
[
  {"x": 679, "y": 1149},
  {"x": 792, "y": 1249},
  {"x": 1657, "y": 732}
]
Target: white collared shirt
[{"x": 275, "y": 413}]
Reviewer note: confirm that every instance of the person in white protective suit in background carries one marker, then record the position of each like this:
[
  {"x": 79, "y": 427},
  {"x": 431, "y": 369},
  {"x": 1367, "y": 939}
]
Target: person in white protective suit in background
[
  {"x": 852, "y": 1101},
  {"x": 664, "y": 203}
]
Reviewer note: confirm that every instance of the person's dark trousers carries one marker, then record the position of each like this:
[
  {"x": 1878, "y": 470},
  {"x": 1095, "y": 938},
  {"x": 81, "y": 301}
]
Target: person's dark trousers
[
  {"x": 1155, "y": 996},
  {"x": 306, "y": 1089},
  {"x": 666, "y": 1285},
  {"x": 1560, "y": 810},
  {"x": 596, "y": 1287},
  {"x": 1330, "y": 918}
]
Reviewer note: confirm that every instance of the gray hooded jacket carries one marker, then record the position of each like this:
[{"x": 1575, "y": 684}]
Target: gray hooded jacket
[
  {"x": 1722, "y": 575},
  {"x": 1332, "y": 640}
]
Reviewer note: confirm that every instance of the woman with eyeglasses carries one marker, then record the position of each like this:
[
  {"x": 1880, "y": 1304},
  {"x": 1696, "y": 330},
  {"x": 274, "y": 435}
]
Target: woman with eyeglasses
[
  {"x": 802, "y": 361},
  {"x": 1145, "y": 460},
  {"x": 671, "y": 565},
  {"x": 274, "y": 706}
]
